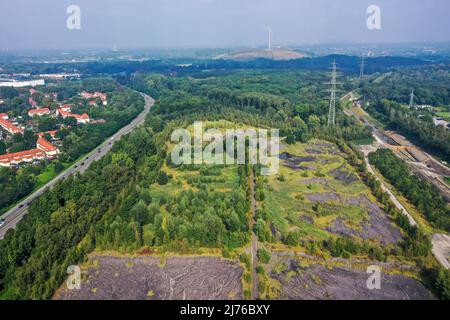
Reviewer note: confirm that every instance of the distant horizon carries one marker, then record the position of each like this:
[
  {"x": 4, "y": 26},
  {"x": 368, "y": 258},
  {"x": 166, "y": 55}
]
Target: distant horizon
[
  {"x": 230, "y": 47},
  {"x": 144, "y": 24}
]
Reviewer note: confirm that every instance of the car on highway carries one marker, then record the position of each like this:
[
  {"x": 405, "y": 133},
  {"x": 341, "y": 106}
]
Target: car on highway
[
  {"x": 82, "y": 164},
  {"x": 2, "y": 222},
  {"x": 21, "y": 206}
]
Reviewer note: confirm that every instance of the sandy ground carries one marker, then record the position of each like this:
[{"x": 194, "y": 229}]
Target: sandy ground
[{"x": 145, "y": 278}]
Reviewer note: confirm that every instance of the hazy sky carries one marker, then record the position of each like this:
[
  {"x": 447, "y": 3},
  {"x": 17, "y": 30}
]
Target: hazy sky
[{"x": 41, "y": 24}]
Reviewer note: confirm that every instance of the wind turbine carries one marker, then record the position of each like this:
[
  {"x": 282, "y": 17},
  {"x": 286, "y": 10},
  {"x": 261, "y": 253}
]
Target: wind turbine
[{"x": 270, "y": 37}]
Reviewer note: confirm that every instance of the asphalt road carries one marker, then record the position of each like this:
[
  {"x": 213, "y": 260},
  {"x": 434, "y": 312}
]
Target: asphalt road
[{"x": 13, "y": 216}]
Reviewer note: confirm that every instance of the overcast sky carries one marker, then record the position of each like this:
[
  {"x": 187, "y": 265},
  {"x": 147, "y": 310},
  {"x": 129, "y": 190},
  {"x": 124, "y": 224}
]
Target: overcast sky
[{"x": 41, "y": 24}]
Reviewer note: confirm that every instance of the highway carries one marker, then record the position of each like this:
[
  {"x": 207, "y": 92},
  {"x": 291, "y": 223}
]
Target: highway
[{"x": 15, "y": 215}]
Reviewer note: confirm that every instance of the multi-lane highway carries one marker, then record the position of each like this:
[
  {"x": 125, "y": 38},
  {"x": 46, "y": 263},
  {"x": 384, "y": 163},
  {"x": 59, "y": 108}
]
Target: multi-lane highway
[{"x": 13, "y": 216}]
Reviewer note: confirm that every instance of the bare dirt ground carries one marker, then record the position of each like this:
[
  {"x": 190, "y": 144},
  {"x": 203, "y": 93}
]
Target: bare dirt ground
[
  {"x": 274, "y": 54},
  {"x": 322, "y": 147},
  {"x": 293, "y": 162},
  {"x": 344, "y": 176},
  {"x": 340, "y": 283},
  {"x": 145, "y": 278},
  {"x": 378, "y": 227}
]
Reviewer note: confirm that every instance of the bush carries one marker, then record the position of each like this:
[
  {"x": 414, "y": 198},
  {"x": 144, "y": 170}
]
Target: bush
[
  {"x": 264, "y": 255},
  {"x": 162, "y": 178}
]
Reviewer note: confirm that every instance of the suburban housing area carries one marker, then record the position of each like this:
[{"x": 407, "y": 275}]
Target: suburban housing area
[{"x": 45, "y": 149}]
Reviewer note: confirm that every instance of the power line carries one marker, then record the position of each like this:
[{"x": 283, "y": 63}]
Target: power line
[
  {"x": 332, "y": 111},
  {"x": 362, "y": 64}
]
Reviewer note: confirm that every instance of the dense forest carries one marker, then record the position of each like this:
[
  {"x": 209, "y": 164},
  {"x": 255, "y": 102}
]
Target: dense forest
[
  {"x": 420, "y": 129},
  {"x": 430, "y": 85}
]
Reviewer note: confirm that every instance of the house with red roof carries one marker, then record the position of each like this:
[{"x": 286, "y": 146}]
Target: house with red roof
[
  {"x": 52, "y": 134},
  {"x": 32, "y": 102},
  {"x": 81, "y": 119},
  {"x": 44, "y": 150},
  {"x": 95, "y": 95},
  {"x": 50, "y": 150},
  {"x": 27, "y": 156},
  {"x": 8, "y": 126},
  {"x": 66, "y": 107},
  {"x": 38, "y": 112}
]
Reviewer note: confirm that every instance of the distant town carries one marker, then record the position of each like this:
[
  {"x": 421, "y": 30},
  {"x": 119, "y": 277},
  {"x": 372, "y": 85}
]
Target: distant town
[{"x": 48, "y": 142}]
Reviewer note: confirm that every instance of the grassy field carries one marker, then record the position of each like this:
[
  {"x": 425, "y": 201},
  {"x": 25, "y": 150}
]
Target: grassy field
[
  {"x": 220, "y": 178},
  {"x": 447, "y": 180},
  {"x": 445, "y": 115},
  {"x": 224, "y": 179},
  {"x": 287, "y": 201}
]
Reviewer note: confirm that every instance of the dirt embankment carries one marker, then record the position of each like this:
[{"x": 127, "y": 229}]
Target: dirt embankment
[{"x": 149, "y": 278}]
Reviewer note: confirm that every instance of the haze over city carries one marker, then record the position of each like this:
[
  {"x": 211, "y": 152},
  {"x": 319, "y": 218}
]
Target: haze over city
[{"x": 217, "y": 23}]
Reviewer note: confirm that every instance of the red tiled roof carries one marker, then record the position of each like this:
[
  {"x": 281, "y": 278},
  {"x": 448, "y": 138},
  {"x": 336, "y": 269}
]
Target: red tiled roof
[
  {"x": 45, "y": 145},
  {"x": 39, "y": 111},
  {"x": 4, "y": 116},
  {"x": 22, "y": 156},
  {"x": 77, "y": 116},
  {"x": 51, "y": 133},
  {"x": 9, "y": 126}
]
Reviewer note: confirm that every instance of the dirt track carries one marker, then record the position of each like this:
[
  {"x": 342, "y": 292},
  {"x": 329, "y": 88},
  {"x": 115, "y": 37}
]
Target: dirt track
[{"x": 143, "y": 278}]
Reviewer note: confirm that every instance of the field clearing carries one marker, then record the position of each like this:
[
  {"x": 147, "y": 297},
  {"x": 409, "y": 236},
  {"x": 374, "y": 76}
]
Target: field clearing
[
  {"x": 153, "y": 278},
  {"x": 298, "y": 277},
  {"x": 444, "y": 115},
  {"x": 317, "y": 194},
  {"x": 225, "y": 179}
]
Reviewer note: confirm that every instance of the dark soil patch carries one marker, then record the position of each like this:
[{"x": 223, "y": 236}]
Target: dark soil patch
[
  {"x": 294, "y": 162},
  {"x": 344, "y": 176},
  {"x": 322, "y": 147},
  {"x": 319, "y": 283},
  {"x": 379, "y": 227},
  {"x": 142, "y": 278}
]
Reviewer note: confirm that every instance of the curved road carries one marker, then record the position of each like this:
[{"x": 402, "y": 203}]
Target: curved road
[{"x": 13, "y": 216}]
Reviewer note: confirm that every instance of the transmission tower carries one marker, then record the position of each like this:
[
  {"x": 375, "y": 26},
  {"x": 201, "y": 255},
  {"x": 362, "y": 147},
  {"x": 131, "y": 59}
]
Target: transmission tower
[
  {"x": 411, "y": 100},
  {"x": 332, "y": 112},
  {"x": 362, "y": 64}
]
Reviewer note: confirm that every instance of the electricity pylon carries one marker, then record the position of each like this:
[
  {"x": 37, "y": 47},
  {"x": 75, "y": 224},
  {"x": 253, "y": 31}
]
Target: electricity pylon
[
  {"x": 332, "y": 111},
  {"x": 362, "y": 64}
]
